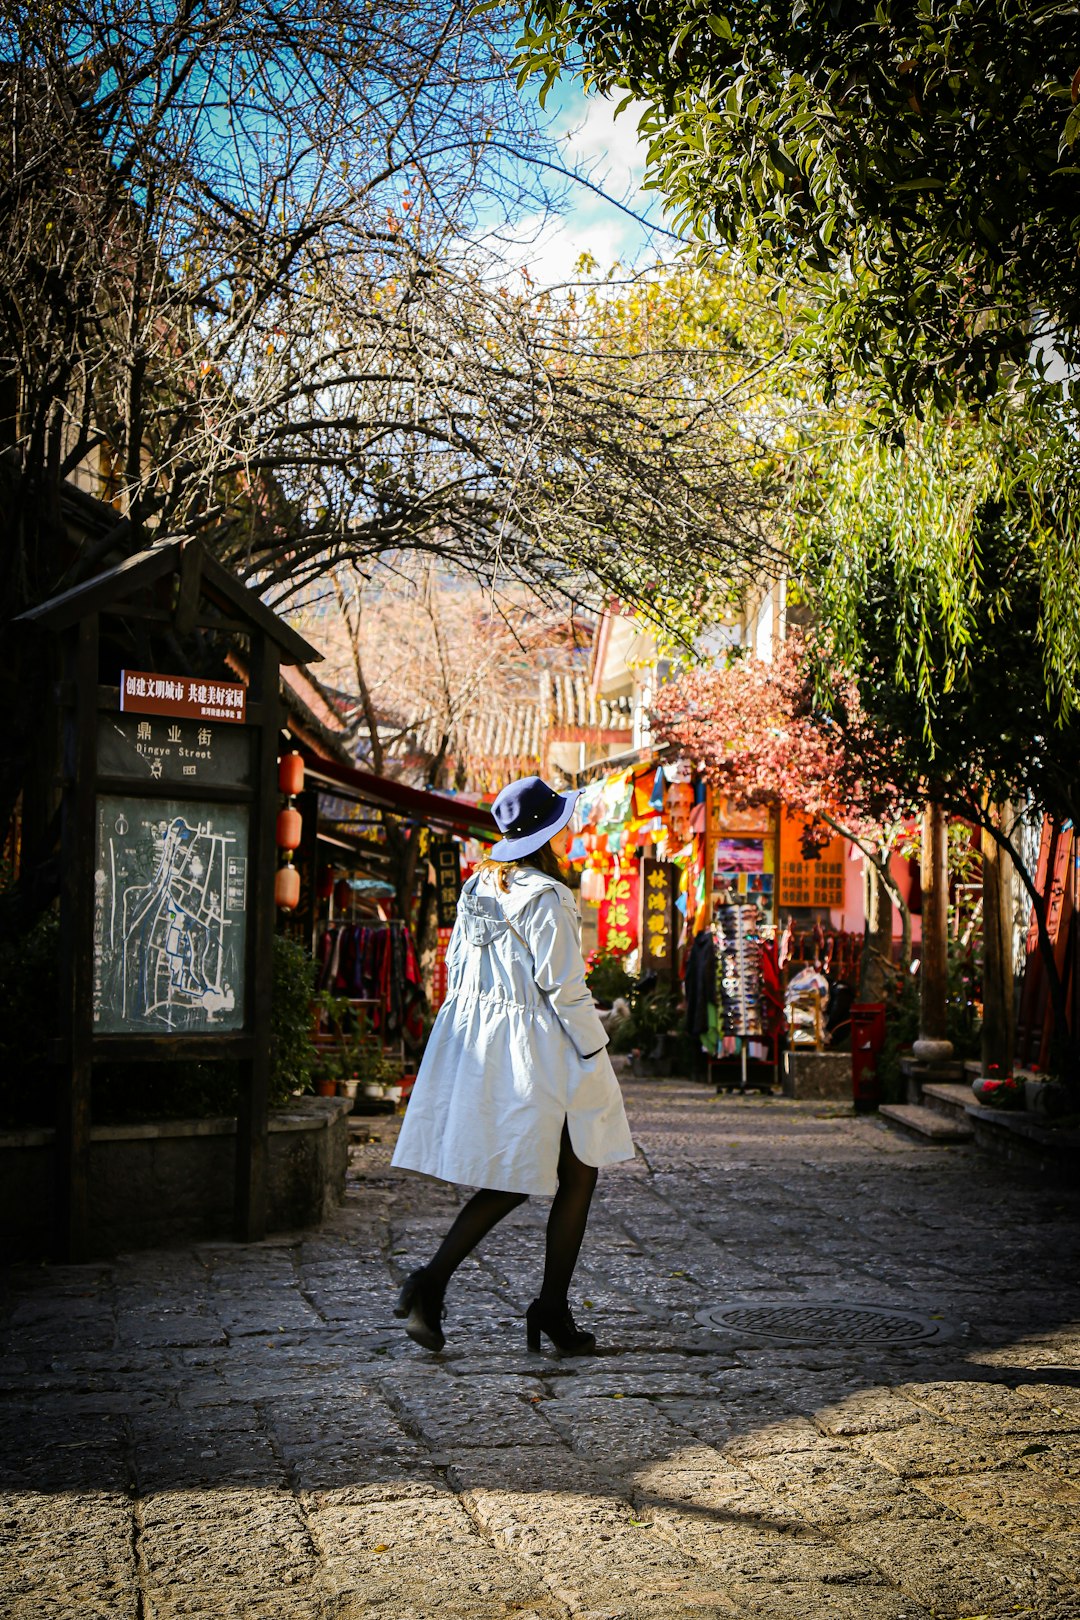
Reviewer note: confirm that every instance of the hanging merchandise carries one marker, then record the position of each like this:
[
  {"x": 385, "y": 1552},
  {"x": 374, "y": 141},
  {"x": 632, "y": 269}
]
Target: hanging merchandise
[
  {"x": 588, "y": 802},
  {"x": 680, "y": 805},
  {"x": 593, "y": 885},
  {"x": 375, "y": 962},
  {"x": 739, "y": 981},
  {"x": 702, "y": 984},
  {"x": 616, "y": 801},
  {"x": 656, "y": 799}
]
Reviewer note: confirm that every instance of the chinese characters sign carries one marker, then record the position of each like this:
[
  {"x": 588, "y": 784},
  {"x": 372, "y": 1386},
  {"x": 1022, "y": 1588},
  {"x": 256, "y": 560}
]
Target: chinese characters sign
[
  {"x": 617, "y": 920},
  {"x": 658, "y": 880},
  {"x": 183, "y": 696},
  {"x": 164, "y": 750},
  {"x": 809, "y": 883},
  {"x": 444, "y": 856}
]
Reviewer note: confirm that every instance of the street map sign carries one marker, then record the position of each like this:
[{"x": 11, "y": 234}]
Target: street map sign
[{"x": 170, "y": 905}]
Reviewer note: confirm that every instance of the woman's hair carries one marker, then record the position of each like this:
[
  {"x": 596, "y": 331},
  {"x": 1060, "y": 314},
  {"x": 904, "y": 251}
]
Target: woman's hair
[{"x": 543, "y": 859}]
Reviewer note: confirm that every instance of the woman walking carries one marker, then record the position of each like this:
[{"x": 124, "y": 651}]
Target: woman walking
[{"x": 516, "y": 1094}]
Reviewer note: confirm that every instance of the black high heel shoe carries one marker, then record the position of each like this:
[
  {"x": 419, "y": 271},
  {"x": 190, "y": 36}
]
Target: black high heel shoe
[
  {"x": 421, "y": 1303},
  {"x": 557, "y": 1323}
]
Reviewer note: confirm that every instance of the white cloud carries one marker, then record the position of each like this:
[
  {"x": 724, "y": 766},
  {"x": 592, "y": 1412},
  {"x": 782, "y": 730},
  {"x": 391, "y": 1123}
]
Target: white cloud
[{"x": 606, "y": 150}]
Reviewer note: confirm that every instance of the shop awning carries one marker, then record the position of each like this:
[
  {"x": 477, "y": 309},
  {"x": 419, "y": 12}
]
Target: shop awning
[{"x": 415, "y": 804}]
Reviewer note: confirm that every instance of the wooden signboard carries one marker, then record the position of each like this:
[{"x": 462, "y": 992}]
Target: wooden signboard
[
  {"x": 182, "y": 697},
  {"x": 657, "y": 923},
  {"x": 805, "y": 882},
  {"x": 167, "y": 845},
  {"x": 447, "y": 864}
]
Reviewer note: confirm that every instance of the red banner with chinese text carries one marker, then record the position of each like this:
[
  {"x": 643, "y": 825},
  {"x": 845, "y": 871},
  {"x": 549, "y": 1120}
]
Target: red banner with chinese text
[
  {"x": 438, "y": 978},
  {"x": 617, "y": 922}
]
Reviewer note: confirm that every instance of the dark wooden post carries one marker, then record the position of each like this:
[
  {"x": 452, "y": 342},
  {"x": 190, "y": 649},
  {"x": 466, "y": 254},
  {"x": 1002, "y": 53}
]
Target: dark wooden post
[
  {"x": 253, "y": 1101},
  {"x": 72, "y": 1151},
  {"x": 998, "y": 1026}
]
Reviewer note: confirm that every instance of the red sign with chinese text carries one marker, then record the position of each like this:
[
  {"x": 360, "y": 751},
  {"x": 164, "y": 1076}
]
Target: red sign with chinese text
[
  {"x": 185, "y": 696},
  {"x": 439, "y": 975},
  {"x": 617, "y": 921}
]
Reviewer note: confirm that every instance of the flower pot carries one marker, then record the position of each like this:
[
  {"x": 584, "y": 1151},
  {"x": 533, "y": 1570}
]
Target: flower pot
[
  {"x": 371, "y": 1090},
  {"x": 392, "y": 1093},
  {"x": 326, "y": 1088},
  {"x": 346, "y": 1088}
]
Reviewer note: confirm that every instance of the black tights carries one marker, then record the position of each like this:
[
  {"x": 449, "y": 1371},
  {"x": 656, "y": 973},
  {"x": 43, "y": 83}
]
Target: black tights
[{"x": 565, "y": 1227}]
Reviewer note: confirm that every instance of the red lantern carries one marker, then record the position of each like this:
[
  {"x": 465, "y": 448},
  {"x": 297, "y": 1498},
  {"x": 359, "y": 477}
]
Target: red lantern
[
  {"x": 287, "y": 888},
  {"x": 290, "y": 774},
  {"x": 342, "y": 894},
  {"x": 326, "y": 883},
  {"x": 289, "y": 828}
]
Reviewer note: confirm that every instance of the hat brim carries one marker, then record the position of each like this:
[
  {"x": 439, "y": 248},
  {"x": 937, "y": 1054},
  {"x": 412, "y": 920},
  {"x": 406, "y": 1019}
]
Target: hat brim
[{"x": 512, "y": 849}]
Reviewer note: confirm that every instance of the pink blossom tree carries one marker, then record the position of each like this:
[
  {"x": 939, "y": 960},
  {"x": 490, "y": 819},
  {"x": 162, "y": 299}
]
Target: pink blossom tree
[{"x": 761, "y": 737}]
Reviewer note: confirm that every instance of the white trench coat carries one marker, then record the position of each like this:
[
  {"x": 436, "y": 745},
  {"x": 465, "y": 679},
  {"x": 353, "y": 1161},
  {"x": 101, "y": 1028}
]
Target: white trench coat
[{"x": 516, "y": 1049}]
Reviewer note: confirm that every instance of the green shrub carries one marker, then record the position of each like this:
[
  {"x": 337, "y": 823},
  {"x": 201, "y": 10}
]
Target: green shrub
[{"x": 606, "y": 976}]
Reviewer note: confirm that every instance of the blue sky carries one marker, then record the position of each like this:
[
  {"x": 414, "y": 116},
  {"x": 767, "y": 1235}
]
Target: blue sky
[{"x": 607, "y": 150}]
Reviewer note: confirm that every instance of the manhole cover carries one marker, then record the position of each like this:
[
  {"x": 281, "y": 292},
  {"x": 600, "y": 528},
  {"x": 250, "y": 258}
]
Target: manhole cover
[{"x": 823, "y": 1322}]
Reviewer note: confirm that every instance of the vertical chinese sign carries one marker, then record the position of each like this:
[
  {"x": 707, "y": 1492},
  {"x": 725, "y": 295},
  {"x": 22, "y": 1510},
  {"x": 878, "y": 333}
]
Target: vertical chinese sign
[
  {"x": 617, "y": 920},
  {"x": 447, "y": 864},
  {"x": 657, "y": 925}
]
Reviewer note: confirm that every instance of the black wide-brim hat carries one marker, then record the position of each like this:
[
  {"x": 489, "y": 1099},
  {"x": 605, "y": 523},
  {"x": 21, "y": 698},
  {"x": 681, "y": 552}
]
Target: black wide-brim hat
[{"x": 528, "y": 813}]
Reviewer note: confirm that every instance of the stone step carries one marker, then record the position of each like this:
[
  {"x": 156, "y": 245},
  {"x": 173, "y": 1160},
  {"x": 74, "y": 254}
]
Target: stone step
[
  {"x": 951, "y": 1073},
  {"x": 948, "y": 1100},
  {"x": 925, "y": 1124}
]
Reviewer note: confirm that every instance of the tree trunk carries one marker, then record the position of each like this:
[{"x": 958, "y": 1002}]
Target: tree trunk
[
  {"x": 933, "y": 1045},
  {"x": 999, "y": 1012},
  {"x": 875, "y": 965}
]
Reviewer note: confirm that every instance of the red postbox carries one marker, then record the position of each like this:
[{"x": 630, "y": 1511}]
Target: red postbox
[{"x": 867, "y": 1039}]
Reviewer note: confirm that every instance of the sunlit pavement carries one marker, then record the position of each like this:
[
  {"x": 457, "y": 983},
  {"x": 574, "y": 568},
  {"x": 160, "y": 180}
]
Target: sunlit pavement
[{"x": 236, "y": 1431}]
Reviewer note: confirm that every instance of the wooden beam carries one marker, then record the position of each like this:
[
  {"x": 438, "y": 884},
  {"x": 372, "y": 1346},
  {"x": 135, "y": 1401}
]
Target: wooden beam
[
  {"x": 71, "y": 1233},
  {"x": 222, "y": 587},
  {"x": 104, "y": 590},
  {"x": 187, "y": 596},
  {"x": 253, "y": 1101}
]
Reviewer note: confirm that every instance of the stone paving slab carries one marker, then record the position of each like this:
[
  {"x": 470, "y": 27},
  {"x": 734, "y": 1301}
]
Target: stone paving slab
[{"x": 244, "y": 1431}]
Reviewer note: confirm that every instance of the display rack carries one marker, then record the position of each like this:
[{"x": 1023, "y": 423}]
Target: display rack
[{"x": 738, "y": 934}]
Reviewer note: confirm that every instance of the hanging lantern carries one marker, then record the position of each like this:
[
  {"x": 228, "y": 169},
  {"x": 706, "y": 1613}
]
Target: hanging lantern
[
  {"x": 289, "y": 828},
  {"x": 290, "y": 774},
  {"x": 593, "y": 886},
  {"x": 326, "y": 883},
  {"x": 342, "y": 894},
  {"x": 287, "y": 888}
]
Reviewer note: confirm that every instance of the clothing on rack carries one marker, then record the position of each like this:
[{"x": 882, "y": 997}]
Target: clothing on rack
[
  {"x": 700, "y": 981},
  {"x": 375, "y": 962}
]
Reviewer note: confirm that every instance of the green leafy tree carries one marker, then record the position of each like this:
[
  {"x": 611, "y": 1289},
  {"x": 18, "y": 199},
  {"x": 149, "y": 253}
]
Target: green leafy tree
[
  {"x": 914, "y": 159},
  {"x": 995, "y": 731}
]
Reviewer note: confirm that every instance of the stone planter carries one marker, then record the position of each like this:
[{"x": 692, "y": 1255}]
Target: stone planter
[
  {"x": 1046, "y": 1098},
  {"x": 171, "y": 1181}
]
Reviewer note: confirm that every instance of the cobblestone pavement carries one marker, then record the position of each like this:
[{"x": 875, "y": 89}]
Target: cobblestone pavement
[{"x": 245, "y": 1432}]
